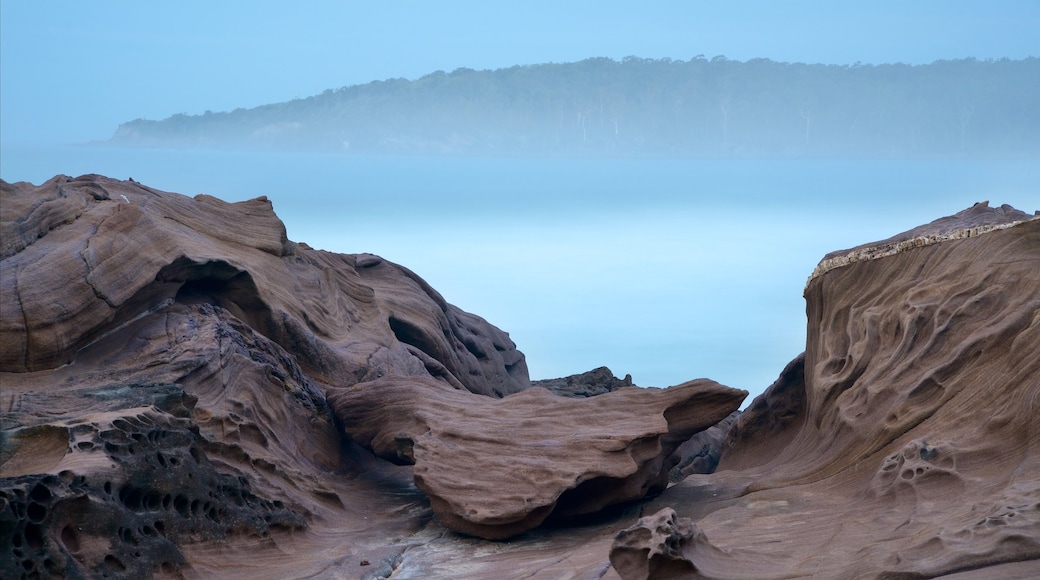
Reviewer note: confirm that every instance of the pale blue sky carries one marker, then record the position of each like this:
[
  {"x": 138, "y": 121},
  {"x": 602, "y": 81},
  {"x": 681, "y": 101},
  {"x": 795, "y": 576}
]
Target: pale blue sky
[{"x": 71, "y": 71}]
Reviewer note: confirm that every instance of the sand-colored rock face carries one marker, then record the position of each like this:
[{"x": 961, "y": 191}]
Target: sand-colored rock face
[
  {"x": 496, "y": 468},
  {"x": 166, "y": 367}
]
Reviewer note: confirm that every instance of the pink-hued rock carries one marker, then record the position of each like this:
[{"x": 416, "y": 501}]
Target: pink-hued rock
[
  {"x": 496, "y": 468},
  {"x": 904, "y": 442},
  {"x": 83, "y": 257}
]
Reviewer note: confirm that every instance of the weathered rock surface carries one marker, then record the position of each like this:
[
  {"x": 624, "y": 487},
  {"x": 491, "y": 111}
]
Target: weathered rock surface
[
  {"x": 701, "y": 453},
  {"x": 974, "y": 221},
  {"x": 589, "y": 384},
  {"x": 904, "y": 443},
  {"x": 83, "y": 257},
  {"x": 186, "y": 427},
  {"x": 655, "y": 547},
  {"x": 496, "y": 468},
  {"x": 116, "y": 494},
  {"x": 164, "y": 364},
  {"x": 698, "y": 454}
]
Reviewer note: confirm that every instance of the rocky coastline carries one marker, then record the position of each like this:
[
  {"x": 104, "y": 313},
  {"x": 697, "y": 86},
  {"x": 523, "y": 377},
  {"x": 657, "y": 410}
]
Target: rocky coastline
[{"x": 187, "y": 393}]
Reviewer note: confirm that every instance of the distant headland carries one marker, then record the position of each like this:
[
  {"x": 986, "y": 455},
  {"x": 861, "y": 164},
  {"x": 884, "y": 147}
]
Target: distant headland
[{"x": 702, "y": 108}]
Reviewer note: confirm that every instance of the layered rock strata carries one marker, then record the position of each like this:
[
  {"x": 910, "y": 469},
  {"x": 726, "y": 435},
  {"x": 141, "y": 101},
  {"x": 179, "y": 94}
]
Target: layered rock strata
[
  {"x": 186, "y": 427},
  {"x": 701, "y": 453},
  {"x": 904, "y": 443},
  {"x": 164, "y": 362},
  {"x": 83, "y": 257},
  {"x": 974, "y": 221},
  {"x": 496, "y": 468}
]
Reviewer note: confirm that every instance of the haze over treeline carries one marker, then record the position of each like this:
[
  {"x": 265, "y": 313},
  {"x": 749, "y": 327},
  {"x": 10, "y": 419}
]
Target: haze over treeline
[{"x": 634, "y": 107}]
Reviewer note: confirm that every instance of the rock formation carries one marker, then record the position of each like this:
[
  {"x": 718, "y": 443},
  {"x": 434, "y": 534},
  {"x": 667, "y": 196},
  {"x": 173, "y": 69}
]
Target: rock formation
[
  {"x": 496, "y": 468},
  {"x": 904, "y": 443},
  {"x": 178, "y": 380},
  {"x": 84, "y": 257},
  {"x": 164, "y": 361},
  {"x": 655, "y": 547},
  {"x": 595, "y": 382},
  {"x": 701, "y": 453}
]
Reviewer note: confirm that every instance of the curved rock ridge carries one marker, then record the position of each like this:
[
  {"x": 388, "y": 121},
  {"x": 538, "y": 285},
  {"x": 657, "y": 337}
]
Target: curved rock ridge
[
  {"x": 904, "y": 442},
  {"x": 496, "y": 468},
  {"x": 974, "y": 221},
  {"x": 84, "y": 257}
]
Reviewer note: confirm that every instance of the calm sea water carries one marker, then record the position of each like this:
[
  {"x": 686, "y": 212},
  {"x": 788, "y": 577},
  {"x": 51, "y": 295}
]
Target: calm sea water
[{"x": 665, "y": 269}]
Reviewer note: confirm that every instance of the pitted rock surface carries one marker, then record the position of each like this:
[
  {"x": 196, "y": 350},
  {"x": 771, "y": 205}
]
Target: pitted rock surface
[
  {"x": 911, "y": 414},
  {"x": 657, "y": 546}
]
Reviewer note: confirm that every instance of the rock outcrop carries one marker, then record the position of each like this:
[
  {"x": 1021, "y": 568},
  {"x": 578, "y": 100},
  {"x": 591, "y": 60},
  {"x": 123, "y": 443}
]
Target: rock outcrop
[
  {"x": 164, "y": 362},
  {"x": 589, "y": 384},
  {"x": 655, "y": 547},
  {"x": 177, "y": 379},
  {"x": 496, "y": 468},
  {"x": 185, "y": 427},
  {"x": 904, "y": 443},
  {"x": 84, "y": 257}
]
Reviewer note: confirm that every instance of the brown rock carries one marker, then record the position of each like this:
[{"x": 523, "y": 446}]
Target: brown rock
[
  {"x": 701, "y": 453},
  {"x": 903, "y": 444},
  {"x": 83, "y": 257},
  {"x": 163, "y": 363},
  {"x": 909, "y": 447},
  {"x": 765, "y": 426},
  {"x": 655, "y": 548},
  {"x": 122, "y": 463},
  {"x": 595, "y": 382},
  {"x": 496, "y": 468}
]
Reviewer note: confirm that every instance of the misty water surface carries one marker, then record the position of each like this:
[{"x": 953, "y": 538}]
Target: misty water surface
[{"x": 665, "y": 269}]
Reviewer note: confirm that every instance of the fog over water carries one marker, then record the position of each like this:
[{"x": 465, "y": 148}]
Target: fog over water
[{"x": 667, "y": 269}]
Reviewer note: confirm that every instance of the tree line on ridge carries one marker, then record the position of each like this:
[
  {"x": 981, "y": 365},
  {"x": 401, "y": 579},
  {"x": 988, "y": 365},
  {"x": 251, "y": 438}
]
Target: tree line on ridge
[{"x": 648, "y": 107}]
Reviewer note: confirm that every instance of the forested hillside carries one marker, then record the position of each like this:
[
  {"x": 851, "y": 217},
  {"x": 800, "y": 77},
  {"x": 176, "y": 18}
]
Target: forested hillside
[{"x": 697, "y": 108}]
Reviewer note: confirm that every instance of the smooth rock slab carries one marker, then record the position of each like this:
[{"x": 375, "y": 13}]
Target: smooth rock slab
[{"x": 495, "y": 468}]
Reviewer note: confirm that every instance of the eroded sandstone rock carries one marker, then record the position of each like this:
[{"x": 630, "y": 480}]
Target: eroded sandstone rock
[
  {"x": 904, "y": 442},
  {"x": 114, "y": 492},
  {"x": 495, "y": 468},
  {"x": 655, "y": 548},
  {"x": 701, "y": 453},
  {"x": 163, "y": 362},
  {"x": 83, "y": 257}
]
